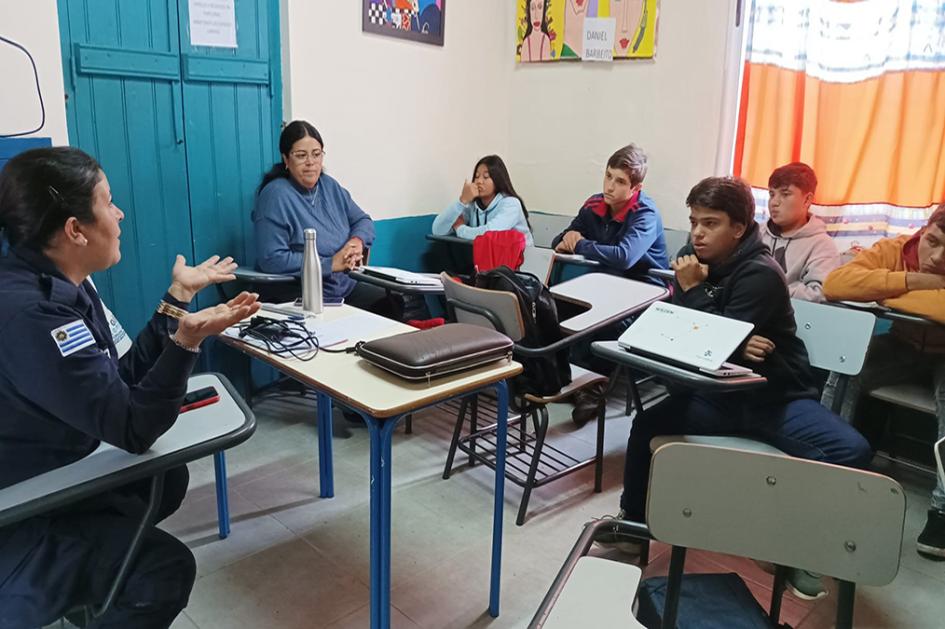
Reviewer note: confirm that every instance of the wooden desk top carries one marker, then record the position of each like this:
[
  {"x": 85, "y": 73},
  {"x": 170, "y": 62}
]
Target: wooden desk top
[
  {"x": 195, "y": 434},
  {"x": 357, "y": 383},
  {"x": 611, "y": 298}
]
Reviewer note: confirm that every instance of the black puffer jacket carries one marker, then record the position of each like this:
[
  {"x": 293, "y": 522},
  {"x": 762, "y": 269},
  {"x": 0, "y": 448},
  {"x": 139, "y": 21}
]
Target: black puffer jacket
[{"x": 750, "y": 286}]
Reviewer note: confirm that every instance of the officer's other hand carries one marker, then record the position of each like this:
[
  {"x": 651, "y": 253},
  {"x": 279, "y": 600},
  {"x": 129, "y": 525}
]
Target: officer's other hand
[
  {"x": 187, "y": 281},
  {"x": 194, "y": 327}
]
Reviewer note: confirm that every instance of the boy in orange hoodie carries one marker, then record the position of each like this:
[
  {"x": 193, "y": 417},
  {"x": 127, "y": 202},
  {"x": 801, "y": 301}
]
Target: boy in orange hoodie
[{"x": 907, "y": 274}]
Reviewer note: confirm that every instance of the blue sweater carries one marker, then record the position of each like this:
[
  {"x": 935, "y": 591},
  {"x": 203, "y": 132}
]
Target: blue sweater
[
  {"x": 502, "y": 214},
  {"x": 284, "y": 209},
  {"x": 629, "y": 243}
]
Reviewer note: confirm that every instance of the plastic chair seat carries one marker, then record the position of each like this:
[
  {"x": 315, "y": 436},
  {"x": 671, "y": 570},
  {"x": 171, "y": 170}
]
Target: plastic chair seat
[
  {"x": 599, "y": 593},
  {"x": 580, "y": 379},
  {"x": 722, "y": 441},
  {"x": 914, "y": 396}
]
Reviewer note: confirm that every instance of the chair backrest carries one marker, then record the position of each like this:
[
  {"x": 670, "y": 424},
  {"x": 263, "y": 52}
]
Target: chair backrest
[
  {"x": 836, "y": 338},
  {"x": 538, "y": 262},
  {"x": 503, "y": 306},
  {"x": 675, "y": 240},
  {"x": 833, "y": 520},
  {"x": 940, "y": 457},
  {"x": 546, "y": 226}
]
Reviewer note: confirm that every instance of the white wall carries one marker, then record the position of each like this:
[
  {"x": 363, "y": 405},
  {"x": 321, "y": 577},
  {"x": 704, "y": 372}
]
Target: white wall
[
  {"x": 403, "y": 122},
  {"x": 568, "y": 118},
  {"x": 35, "y": 26}
]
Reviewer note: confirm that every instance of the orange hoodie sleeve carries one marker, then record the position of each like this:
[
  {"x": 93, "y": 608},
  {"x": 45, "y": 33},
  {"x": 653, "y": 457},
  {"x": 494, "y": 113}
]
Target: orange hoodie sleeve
[
  {"x": 875, "y": 274},
  {"x": 925, "y": 303}
]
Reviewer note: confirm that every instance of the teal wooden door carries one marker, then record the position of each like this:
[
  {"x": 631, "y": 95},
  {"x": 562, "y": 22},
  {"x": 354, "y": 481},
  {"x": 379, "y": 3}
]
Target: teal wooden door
[
  {"x": 184, "y": 133},
  {"x": 232, "y": 105},
  {"x": 124, "y": 106}
]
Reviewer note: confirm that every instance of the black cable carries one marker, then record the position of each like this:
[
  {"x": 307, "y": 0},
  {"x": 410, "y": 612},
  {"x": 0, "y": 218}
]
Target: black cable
[
  {"x": 39, "y": 91},
  {"x": 283, "y": 338}
]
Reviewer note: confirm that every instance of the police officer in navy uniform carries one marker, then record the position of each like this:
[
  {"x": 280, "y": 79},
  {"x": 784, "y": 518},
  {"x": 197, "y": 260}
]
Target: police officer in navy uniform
[{"x": 65, "y": 387}]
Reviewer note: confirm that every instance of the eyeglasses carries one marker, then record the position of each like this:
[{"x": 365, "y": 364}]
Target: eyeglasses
[{"x": 302, "y": 156}]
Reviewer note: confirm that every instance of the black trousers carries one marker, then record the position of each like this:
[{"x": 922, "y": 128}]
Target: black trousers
[{"x": 75, "y": 560}]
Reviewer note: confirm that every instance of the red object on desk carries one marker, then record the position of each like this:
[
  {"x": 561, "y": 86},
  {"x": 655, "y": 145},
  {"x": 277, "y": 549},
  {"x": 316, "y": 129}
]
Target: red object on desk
[{"x": 200, "y": 404}]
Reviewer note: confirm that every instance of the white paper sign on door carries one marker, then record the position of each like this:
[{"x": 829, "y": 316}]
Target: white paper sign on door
[
  {"x": 599, "y": 38},
  {"x": 212, "y": 23}
]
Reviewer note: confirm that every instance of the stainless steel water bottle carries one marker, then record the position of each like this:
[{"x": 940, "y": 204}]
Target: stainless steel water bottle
[{"x": 311, "y": 276}]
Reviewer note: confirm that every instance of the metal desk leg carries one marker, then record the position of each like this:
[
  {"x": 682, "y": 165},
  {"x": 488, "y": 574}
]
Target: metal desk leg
[
  {"x": 326, "y": 475},
  {"x": 380, "y": 431},
  {"x": 501, "y": 435},
  {"x": 223, "y": 506}
]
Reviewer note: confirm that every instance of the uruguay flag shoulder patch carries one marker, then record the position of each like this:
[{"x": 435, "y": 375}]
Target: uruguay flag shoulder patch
[{"x": 72, "y": 337}]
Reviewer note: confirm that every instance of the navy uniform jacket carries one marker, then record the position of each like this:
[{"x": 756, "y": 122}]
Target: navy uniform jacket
[{"x": 63, "y": 388}]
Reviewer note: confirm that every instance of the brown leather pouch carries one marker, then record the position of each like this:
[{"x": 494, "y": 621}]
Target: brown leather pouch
[{"x": 427, "y": 354}]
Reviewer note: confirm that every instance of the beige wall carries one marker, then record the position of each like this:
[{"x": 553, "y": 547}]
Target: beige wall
[
  {"x": 403, "y": 122},
  {"x": 35, "y": 26},
  {"x": 567, "y": 118}
]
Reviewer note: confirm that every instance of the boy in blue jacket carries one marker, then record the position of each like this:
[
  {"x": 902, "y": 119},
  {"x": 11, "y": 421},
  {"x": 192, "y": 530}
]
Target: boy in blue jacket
[{"x": 621, "y": 227}]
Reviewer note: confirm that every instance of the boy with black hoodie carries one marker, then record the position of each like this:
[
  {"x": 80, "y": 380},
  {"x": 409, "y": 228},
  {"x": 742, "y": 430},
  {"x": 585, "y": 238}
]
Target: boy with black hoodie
[{"x": 727, "y": 270}]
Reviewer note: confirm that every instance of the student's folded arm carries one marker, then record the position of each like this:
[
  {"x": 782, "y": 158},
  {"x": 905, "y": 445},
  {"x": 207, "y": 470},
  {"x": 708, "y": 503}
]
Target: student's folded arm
[
  {"x": 637, "y": 240},
  {"x": 577, "y": 225},
  {"x": 360, "y": 224},
  {"x": 505, "y": 216},
  {"x": 867, "y": 277},
  {"x": 443, "y": 223},
  {"x": 823, "y": 259},
  {"x": 924, "y": 303},
  {"x": 85, "y": 389},
  {"x": 752, "y": 296}
]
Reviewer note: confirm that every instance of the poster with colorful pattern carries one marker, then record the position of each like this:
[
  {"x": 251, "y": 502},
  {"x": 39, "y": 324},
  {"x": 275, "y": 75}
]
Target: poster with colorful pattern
[
  {"x": 553, "y": 30},
  {"x": 419, "y": 20}
]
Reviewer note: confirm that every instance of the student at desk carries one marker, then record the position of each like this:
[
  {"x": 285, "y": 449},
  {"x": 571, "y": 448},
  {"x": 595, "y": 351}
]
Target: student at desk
[
  {"x": 908, "y": 274},
  {"x": 727, "y": 270},
  {"x": 68, "y": 381},
  {"x": 488, "y": 203},
  {"x": 620, "y": 227},
  {"x": 797, "y": 239},
  {"x": 295, "y": 195}
]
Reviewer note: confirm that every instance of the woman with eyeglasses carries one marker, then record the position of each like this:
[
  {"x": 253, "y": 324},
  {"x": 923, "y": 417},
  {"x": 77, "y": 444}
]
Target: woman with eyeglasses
[
  {"x": 295, "y": 195},
  {"x": 70, "y": 380}
]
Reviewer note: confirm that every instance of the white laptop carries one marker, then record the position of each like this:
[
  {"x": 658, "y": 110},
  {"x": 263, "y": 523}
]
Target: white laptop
[
  {"x": 690, "y": 338},
  {"x": 401, "y": 276}
]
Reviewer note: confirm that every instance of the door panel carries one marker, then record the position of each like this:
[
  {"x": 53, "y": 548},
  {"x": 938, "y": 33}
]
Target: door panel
[
  {"x": 184, "y": 134},
  {"x": 121, "y": 108},
  {"x": 228, "y": 98}
]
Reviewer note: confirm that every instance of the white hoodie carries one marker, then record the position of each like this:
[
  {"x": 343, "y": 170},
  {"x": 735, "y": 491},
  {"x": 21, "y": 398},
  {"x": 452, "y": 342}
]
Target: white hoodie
[{"x": 807, "y": 257}]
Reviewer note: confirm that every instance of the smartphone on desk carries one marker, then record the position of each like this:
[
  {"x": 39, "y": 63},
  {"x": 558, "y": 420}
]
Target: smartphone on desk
[{"x": 199, "y": 398}]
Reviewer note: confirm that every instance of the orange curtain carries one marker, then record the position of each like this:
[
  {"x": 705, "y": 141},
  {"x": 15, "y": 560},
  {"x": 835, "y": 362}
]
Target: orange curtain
[{"x": 857, "y": 91}]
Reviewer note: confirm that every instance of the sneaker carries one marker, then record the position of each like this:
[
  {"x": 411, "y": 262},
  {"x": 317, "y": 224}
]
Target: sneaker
[
  {"x": 587, "y": 403},
  {"x": 610, "y": 539},
  {"x": 805, "y": 584},
  {"x": 931, "y": 542}
]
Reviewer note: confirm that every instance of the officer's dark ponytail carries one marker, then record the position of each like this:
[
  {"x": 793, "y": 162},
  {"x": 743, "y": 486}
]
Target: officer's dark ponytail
[
  {"x": 293, "y": 132},
  {"x": 41, "y": 189}
]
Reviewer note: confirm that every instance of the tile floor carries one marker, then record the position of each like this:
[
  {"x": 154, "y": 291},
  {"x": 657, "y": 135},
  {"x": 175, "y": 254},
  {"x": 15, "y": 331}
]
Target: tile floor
[{"x": 294, "y": 560}]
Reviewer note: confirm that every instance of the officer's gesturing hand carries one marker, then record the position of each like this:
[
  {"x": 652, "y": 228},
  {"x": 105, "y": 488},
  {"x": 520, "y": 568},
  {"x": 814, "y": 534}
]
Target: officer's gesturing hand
[
  {"x": 194, "y": 327},
  {"x": 187, "y": 281}
]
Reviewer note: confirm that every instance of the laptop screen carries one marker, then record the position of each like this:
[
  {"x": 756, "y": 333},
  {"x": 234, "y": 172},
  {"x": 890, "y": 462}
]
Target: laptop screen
[{"x": 692, "y": 337}]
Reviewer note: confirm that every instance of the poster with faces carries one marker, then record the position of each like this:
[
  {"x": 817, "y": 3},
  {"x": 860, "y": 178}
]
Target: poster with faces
[{"x": 556, "y": 30}]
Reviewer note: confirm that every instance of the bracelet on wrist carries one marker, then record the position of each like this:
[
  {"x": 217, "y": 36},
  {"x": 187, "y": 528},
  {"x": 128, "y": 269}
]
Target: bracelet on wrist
[
  {"x": 171, "y": 311},
  {"x": 191, "y": 349}
]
